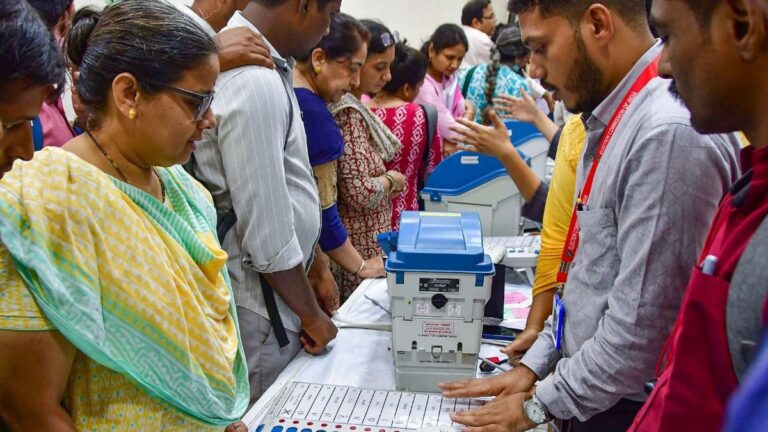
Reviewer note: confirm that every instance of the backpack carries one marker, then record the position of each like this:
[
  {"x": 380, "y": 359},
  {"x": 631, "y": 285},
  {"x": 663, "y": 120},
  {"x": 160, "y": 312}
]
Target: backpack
[{"x": 746, "y": 296}]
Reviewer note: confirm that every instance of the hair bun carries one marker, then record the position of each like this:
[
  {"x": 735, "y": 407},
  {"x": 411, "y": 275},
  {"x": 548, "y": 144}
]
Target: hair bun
[{"x": 83, "y": 24}]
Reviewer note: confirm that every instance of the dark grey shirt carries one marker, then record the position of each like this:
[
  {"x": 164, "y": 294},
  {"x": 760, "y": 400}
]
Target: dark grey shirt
[{"x": 655, "y": 193}]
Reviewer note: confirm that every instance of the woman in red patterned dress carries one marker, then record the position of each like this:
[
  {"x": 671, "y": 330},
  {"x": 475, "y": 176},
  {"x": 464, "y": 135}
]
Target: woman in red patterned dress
[
  {"x": 408, "y": 122},
  {"x": 365, "y": 187}
]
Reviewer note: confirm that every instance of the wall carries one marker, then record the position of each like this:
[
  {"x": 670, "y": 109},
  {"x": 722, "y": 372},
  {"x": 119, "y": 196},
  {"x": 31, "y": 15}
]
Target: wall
[{"x": 414, "y": 19}]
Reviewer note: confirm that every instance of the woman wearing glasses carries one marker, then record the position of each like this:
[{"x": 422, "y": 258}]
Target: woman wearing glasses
[
  {"x": 320, "y": 78},
  {"x": 110, "y": 269},
  {"x": 365, "y": 186}
]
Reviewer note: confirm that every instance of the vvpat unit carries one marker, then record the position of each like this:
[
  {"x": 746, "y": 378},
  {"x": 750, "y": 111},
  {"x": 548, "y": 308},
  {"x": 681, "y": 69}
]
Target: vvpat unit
[
  {"x": 468, "y": 181},
  {"x": 439, "y": 280}
]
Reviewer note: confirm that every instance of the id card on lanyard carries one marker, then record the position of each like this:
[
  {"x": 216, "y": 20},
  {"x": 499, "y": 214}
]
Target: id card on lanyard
[{"x": 572, "y": 238}]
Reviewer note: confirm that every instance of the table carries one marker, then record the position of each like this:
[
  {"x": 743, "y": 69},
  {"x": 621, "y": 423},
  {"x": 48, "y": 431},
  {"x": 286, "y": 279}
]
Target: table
[{"x": 358, "y": 357}]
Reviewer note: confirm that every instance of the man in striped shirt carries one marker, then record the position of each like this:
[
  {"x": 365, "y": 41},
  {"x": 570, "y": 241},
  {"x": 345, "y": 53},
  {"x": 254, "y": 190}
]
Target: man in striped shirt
[{"x": 255, "y": 162}]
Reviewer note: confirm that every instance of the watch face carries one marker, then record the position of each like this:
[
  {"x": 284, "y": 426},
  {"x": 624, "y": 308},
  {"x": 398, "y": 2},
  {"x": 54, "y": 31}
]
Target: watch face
[{"x": 535, "y": 412}]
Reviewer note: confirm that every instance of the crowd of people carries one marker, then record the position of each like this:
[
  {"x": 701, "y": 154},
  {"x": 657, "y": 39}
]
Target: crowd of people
[{"x": 165, "y": 254}]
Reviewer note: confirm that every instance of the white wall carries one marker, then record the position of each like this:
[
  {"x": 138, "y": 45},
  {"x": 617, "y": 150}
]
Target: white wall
[{"x": 414, "y": 19}]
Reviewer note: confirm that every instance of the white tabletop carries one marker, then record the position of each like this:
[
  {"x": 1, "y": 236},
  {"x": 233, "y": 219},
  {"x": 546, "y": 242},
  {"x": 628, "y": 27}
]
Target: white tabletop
[{"x": 358, "y": 357}]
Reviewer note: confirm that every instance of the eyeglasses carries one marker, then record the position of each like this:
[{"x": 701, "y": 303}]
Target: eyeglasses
[
  {"x": 204, "y": 100},
  {"x": 389, "y": 39},
  {"x": 11, "y": 125}
]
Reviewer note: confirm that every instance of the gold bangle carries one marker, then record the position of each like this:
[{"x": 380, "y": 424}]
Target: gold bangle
[
  {"x": 359, "y": 269},
  {"x": 391, "y": 179}
]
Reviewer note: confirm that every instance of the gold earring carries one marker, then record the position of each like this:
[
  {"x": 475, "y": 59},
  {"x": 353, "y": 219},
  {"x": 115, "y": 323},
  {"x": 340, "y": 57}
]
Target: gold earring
[
  {"x": 132, "y": 113},
  {"x": 318, "y": 69}
]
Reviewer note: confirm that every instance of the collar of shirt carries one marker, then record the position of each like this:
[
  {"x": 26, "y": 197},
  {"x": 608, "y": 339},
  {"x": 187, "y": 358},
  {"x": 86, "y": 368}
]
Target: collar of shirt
[
  {"x": 447, "y": 82},
  {"x": 197, "y": 18},
  {"x": 474, "y": 33},
  {"x": 754, "y": 165},
  {"x": 283, "y": 65},
  {"x": 601, "y": 115}
]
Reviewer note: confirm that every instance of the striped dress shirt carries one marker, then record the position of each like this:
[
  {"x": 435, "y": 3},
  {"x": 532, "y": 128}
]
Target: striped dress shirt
[{"x": 255, "y": 161}]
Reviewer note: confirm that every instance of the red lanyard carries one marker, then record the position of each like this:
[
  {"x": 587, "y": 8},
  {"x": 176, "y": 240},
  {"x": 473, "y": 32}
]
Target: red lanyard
[{"x": 572, "y": 238}]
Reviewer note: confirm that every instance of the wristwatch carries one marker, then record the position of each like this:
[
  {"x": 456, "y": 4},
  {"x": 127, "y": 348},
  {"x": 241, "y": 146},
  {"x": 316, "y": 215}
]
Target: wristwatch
[{"x": 536, "y": 411}]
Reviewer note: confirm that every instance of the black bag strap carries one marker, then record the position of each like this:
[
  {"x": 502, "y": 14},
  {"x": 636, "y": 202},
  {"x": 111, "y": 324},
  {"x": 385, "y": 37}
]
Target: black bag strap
[
  {"x": 274, "y": 314},
  {"x": 269, "y": 293},
  {"x": 468, "y": 80},
  {"x": 225, "y": 220},
  {"x": 748, "y": 290},
  {"x": 431, "y": 115}
]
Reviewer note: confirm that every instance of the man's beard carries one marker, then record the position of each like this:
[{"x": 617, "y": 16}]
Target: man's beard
[
  {"x": 585, "y": 81},
  {"x": 674, "y": 91}
]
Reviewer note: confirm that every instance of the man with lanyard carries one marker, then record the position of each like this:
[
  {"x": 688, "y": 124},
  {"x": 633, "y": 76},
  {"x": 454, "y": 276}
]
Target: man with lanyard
[
  {"x": 717, "y": 53},
  {"x": 641, "y": 214}
]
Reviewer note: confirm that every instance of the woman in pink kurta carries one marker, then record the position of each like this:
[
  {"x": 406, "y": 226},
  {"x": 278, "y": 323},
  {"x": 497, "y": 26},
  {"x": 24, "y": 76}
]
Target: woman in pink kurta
[
  {"x": 445, "y": 50},
  {"x": 408, "y": 122}
]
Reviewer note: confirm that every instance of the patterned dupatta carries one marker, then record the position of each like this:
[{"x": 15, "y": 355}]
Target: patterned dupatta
[
  {"x": 138, "y": 287},
  {"x": 384, "y": 142}
]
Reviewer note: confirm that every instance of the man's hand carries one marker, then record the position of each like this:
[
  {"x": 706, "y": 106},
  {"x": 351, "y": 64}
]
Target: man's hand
[
  {"x": 520, "y": 345},
  {"x": 523, "y": 108},
  {"x": 504, "y": 414},
  {"x": 519, "y": 379},
  {"x": 491, "y": 140},
  {"x": 323, "y": 283},
  {"x": 327, "y": 293},
  {"x": 316, "y": 333},
  {"x": 241, "y": 46}
]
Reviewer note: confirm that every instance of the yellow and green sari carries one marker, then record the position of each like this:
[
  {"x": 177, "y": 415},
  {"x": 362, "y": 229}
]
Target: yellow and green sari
[{"x": 138, "y": 286}]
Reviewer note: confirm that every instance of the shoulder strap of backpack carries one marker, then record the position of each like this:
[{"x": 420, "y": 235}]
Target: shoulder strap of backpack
[
  {"x": 746, "y": 296},
  {"x": 468, "y": 80},
  {"x": 431, "y": 115}
]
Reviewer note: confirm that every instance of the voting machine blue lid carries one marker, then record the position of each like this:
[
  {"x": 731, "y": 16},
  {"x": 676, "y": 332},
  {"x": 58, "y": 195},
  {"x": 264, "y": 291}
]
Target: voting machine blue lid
[
  {"x": 465, "y": 171},
  {"x": 437, "y": 242}
]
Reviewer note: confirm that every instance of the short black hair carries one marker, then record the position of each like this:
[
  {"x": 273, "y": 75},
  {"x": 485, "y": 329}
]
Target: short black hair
[
  {"x": 346, "y": 36},
  {"x": 28, "y": 49},
  {"x": 446, "y": 36},
  {"x": 123, "y": 37},
  {"x": 50, "y": 11},
  {"x": 473, "y": 10},
  {"x": 409, "y": 67},
  {"x": 703, "y": 10},
  {"x": 631, "y": 11}
]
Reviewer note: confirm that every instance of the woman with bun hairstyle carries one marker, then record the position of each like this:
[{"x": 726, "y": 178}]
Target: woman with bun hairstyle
[
  {"x": 408, "y": 121},
  {"x": 116, "y": 309},
  {"x": 330, "y": 71},
  {"x": 365, "y": 185}
]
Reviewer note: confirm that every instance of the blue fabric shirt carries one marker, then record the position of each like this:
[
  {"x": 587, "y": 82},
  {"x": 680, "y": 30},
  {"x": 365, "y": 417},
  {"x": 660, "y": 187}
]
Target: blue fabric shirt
[
  {"x": 324, "y": 140},
  {"x": 325, "y": 144},
  {"x": 747, "y": 410},
  {"x": 508, "y": 82}
]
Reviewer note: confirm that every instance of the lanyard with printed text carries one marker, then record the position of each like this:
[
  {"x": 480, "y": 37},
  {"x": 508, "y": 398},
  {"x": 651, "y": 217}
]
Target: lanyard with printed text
[{"x": 572, "y": 238}]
